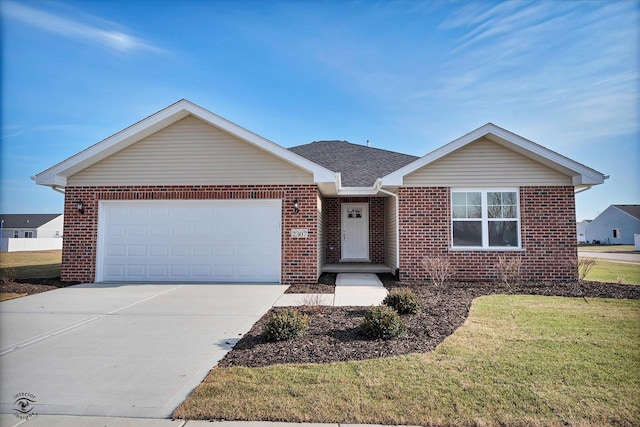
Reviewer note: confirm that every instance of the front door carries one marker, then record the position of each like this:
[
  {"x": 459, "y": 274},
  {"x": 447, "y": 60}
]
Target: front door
[{"x": 355, "y": 232}]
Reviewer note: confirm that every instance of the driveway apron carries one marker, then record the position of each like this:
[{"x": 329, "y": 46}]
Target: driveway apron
[{"x": 126, "y": 350}]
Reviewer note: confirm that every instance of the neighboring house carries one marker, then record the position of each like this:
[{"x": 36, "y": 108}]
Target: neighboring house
[
  {"x": 185, "y": 195},
  {"x": 31, "y": 232},
  {"x": 615, "y": 226},
  {"x": 582, "y": 230}
]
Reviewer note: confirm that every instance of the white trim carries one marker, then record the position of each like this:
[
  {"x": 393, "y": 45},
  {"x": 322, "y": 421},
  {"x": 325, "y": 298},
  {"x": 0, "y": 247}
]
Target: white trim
[
  {"x": 57, "y": 175},
  {"x": 581, "y": 175}
]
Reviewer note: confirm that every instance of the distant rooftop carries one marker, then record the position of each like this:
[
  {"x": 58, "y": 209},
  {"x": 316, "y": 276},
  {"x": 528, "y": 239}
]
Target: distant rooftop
[
  {"x": 633, "y": 210},
  {"x": 359, "y": 165},
  {"x": 26, "y": 220}
]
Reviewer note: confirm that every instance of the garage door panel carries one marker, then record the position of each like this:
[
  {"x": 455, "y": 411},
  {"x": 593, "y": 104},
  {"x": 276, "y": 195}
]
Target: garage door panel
[{"x": 222, "y": 240}]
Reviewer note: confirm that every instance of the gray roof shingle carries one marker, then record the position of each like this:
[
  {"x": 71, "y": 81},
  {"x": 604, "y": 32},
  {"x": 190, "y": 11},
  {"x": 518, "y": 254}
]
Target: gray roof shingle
[
  {"x": 26, "y": 220},
  {"x": 633, "y": 210},
  {"x": 359, "y": 165}
]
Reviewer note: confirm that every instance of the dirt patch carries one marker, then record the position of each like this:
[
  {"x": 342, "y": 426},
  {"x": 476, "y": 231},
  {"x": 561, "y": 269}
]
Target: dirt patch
[
  {"x": 334, "y": 335},
  {"x": 33, "y": 286}
]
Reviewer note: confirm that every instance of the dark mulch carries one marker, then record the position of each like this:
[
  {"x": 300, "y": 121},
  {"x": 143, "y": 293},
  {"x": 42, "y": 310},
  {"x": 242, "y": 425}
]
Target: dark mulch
[
  {"x": 326, "y": 285},
  {"x": 334, "y": 336},
  {"x": 33, "y": 286}
]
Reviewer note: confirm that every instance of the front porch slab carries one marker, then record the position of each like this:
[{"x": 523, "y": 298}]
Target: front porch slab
[{"x": 356, "y": 267}]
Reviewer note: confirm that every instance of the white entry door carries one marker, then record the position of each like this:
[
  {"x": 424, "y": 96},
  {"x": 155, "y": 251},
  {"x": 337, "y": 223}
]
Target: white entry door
[
  {"x": 355, "y": 232},
  {"x": 189, "y": 240}
]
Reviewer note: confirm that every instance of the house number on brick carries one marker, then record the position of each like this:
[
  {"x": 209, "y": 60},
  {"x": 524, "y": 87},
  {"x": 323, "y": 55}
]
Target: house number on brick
[{"x": 300, "y": 233}]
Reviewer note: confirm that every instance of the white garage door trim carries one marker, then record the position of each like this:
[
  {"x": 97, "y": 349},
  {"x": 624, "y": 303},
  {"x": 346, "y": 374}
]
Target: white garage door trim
[{"x": 153, "y": 241}]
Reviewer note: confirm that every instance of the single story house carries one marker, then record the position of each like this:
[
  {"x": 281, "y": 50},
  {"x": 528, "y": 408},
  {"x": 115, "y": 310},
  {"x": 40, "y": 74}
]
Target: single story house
[
  {"x": 186, "y": 195},
  {"x": 582, "y": 230},
  {"x": 30, "y": 232},
  {"x": 617, "y": 225}
]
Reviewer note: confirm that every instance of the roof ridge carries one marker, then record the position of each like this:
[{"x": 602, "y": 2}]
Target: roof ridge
[{"x": 355, "y": 145}]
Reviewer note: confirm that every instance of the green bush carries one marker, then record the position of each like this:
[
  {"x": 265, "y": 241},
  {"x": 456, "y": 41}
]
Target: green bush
[
  {"x": 383, "y": 322},
  {"x": 285, "y": 325},
  {"x": 403, "y": 301}
]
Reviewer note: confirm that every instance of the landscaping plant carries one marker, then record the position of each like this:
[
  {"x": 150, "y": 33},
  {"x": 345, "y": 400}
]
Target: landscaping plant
[
  {"x": 383, "y": 322},
  {"x": 438, "y": 268},
  {"x": 403, "y": 301},
  {"x": 509, "y": 269},
  {"x": 286, "y": 325}
]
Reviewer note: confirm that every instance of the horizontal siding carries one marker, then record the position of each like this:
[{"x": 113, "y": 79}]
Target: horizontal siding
[
  {"x": 391, "y": 245},
  {"x": 191, "y": 152},
  {"x": 485, "y": 163}
]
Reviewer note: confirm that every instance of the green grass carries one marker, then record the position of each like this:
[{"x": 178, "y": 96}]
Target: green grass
[
  {"x": 606, "y": 248},
  {"x": 34, "y": 264},
  {"x": 517, "y": 360},
  {"x": 614, "y": 272}
]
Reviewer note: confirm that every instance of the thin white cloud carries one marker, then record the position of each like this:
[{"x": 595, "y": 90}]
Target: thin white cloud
[{"x": 74, "y": 29}]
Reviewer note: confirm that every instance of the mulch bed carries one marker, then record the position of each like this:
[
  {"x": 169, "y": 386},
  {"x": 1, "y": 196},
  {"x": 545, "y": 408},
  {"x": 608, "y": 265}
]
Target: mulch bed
[
  {"x": 334, "y": 336},
  {"x": 33, "y": 286},
  {"x": 326, "y": 285}
]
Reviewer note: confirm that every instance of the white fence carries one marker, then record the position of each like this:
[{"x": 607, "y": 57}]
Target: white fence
[
  {"x": 636, "y": 241},
  {"x": 10, "y": 244}
]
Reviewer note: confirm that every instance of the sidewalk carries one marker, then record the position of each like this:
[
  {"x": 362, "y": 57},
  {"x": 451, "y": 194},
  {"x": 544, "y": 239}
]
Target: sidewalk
[{"x": 352, "y": 289}]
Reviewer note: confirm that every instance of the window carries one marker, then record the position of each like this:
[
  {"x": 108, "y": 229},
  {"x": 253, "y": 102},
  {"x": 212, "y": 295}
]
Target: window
[
  {"x": 28, "y": 234},
  {"x": 16, "y": 234},
  {"x": 485, "y": 219},
  {"x": 616, "y": 233},
  {"x": 354, "y": 213}
]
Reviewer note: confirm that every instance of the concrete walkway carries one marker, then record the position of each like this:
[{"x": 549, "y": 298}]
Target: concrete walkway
[
  {"x": 73, "y": 421},
  {"x": 352, "y": 289}
]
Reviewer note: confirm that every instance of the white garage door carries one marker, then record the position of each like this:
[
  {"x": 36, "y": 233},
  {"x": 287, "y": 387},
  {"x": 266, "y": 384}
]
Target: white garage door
[{"x": 189, "y": 240}]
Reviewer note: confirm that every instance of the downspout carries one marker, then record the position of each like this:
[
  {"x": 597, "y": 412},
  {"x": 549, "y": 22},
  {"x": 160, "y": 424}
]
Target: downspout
[
  {"x": 395, "y": 196},
  {"x": 57, "y": 189}
]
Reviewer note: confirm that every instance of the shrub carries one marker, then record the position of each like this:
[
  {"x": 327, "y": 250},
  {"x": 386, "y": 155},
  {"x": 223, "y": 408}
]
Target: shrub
[
  {"x": 403, "y": 301},
  {"x": 285, "y": 325},
  {"x": 584, "y": 265},
  {"x": 383, "y": 322},
  {"x": 509, "y": 269},
  {"x": 438, "y": 268}
]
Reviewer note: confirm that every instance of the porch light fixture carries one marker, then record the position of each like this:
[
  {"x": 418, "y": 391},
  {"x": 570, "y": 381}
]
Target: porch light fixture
[
  {"x": 296, "y": 206},
  {"x": 80, "y": 206}
]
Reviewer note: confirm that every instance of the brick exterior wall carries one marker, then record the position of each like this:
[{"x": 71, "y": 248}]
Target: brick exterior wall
[
  {"x": 548, "y": 233},
  {"x": 299, "y": 255},
  {"x": 333, "y": 226}
]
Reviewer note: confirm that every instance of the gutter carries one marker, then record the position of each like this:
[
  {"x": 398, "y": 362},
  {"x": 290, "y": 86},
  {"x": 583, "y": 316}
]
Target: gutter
[{"x": 378, "y": 187}]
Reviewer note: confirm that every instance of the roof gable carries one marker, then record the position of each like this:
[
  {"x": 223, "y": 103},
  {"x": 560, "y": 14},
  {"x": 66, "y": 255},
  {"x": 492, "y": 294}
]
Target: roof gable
[
  {"x": 359, "y": 165},
  {"x": 57, "y": 175},
  {"x": 581, "y": 175}
]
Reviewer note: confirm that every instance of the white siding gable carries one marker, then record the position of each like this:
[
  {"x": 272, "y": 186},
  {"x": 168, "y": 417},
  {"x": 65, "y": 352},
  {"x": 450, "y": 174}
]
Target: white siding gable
[
  {"x": 485, "y": 163},
  {"x": 191, "y": 152}
]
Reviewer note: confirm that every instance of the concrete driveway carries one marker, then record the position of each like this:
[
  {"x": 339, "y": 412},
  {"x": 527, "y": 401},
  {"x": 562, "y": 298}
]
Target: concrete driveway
[{"x": 128, "y": 350}]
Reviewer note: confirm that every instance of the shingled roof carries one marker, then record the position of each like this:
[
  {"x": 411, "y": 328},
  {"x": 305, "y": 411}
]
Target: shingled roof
[
  {"x": 359, "y": 165},
  {"x": 633, "y": 210},
  {"x": 26, "y": 220}
]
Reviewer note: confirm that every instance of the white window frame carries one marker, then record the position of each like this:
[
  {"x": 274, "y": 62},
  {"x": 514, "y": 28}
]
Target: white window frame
[
  {"x": 28, "y": 234},
  {"x": 485, "y": 219},
  {"x": 16, "y": 234}
]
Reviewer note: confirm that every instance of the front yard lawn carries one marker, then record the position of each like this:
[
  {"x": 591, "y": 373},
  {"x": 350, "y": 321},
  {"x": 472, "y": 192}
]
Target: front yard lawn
[
  {"x": 32, "y": 264},
  {"x": 615, "y": 272},
  {"x": 516, "y": 360}
]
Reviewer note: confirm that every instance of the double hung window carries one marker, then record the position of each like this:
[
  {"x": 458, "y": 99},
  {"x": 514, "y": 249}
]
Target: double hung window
[{"x": 485, "y": 219}]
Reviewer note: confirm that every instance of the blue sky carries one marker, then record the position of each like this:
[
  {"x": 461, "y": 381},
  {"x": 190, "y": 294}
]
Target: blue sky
[{"x": 409, "y": 76}]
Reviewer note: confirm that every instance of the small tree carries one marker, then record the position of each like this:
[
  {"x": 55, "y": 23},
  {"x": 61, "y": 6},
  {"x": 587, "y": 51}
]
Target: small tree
[
  {"x": 583, "y": 265},
  {"x": 438, "y": 268}
]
